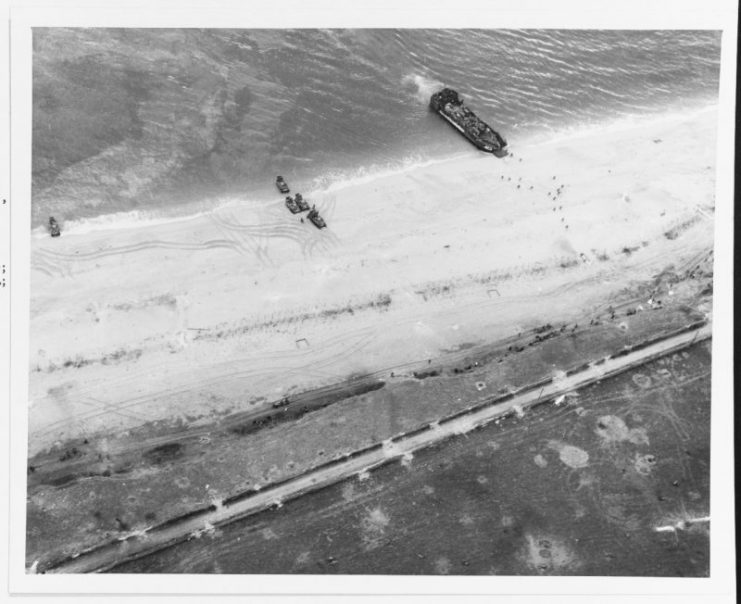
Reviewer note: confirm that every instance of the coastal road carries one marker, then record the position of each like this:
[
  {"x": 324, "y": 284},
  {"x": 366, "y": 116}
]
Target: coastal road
[
  {"x": 612, "y": 482},
  {"x": 403, "y": 446}
]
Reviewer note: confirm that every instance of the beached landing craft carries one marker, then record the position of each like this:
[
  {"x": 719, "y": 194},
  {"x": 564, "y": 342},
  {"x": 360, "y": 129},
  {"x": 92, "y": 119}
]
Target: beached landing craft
[
  {"x": 448, "y": 105},
  {"x": 318, "y": 221},
  {"x": 302, "y": 204},
  {"x": 54, "y": 227},
  {"x": 297, "y": 204},
  {"x": 292, "y": 205},
  {"x": 282, "y": 185}
]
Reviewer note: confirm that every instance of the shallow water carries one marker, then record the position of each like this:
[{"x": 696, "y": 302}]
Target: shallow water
[{"x": 176, "y": 121}]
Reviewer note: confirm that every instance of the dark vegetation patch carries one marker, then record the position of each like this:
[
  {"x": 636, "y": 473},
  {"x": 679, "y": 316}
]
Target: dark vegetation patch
[
  {"x": 514, "y": 504},
  {"x": 164, "y": 453},
  {"x": 434, "y": 290},
  {"x": 569, "y": 263},
  {"x": 580, "y": 368},
  {"x": 381, "y": 302},
  {"x": 542, "y": 337},
  {"x": 71, "y": 453},
  {"x": 122, "y": 525},
  {"x": 175, "y": 521},
  {"x": 676, "y": 231},
  {"x": 296, "y": 406},
  {"x": 421, "y": 375},
  {"x": 60, "y": 481},
  {"x": 163, "y": 300},
  {"x": 118, "y": 356},
  {"x": 121, "y": 355},
  {"x": 61, "y": 390}
]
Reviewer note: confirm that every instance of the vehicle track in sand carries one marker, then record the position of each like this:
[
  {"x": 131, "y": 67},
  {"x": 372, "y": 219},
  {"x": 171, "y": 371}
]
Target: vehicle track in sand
[
  {"x": 257, "y": 236},
  {"x": 285, "y": 364},
  {"x": 256, "y": 245},
  {"x": 47, "y": 260},
  {"x": 232, "y": 376},
  {"x": 300, "y": 234},
  {"x": 314, "y": 362},
  {"x": 243, "y": 238},
  {"x": 319, "y": 363},
  {"x": 469, "y": 296}
]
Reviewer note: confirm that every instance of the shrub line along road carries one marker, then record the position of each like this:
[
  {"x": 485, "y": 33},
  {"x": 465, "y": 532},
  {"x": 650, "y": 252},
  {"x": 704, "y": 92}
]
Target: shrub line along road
[{"x": 140, "y": 543}]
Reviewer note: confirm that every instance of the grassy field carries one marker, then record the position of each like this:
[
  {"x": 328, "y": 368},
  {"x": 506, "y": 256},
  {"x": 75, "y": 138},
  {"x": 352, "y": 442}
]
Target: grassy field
[{"x": 614, "y": 481}]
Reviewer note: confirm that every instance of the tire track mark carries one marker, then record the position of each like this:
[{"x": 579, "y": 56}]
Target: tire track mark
[
  {"x": 359, "y": 340},
  {"x": 59, "y": 261}
]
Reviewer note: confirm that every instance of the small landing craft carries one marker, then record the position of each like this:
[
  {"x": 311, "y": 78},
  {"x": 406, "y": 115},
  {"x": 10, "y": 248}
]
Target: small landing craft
[
  {"x": 302, "y": 204},
  {"x": 317, "y": 220},
  {"x": 292, "y": 205},
  {"x": 54, "y": 227},
  {"x": 298, "y": 204},
  {"x": 282, "y": 185},
  {"x": 449, "y": 106}
]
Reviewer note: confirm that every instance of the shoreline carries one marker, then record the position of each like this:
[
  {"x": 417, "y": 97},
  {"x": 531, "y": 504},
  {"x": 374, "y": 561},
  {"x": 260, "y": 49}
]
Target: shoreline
[{"x": 339, "y": 179}]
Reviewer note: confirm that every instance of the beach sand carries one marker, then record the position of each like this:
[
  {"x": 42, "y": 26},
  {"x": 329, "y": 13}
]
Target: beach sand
[{"x": 184, "y": 321}]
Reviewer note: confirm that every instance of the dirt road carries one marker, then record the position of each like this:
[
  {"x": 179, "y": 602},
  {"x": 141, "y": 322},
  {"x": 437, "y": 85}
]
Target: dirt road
[{"x": 400, "y": 447}]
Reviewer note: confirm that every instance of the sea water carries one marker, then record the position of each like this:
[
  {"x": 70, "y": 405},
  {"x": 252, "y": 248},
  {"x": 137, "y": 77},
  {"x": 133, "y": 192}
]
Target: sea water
[{"x": 148, "y": 124}]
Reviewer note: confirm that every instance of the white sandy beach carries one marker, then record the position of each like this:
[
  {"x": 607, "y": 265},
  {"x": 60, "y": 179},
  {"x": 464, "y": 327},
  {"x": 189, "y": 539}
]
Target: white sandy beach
[{"x": 189, "y": 319}]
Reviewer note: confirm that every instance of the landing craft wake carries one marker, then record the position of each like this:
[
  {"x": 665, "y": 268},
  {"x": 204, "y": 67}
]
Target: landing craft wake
[{"x": 448, "y": 105}]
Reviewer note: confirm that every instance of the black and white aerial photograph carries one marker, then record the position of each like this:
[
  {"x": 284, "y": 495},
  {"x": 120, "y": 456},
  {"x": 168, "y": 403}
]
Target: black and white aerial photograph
[{"x": 371, "y": 301}]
